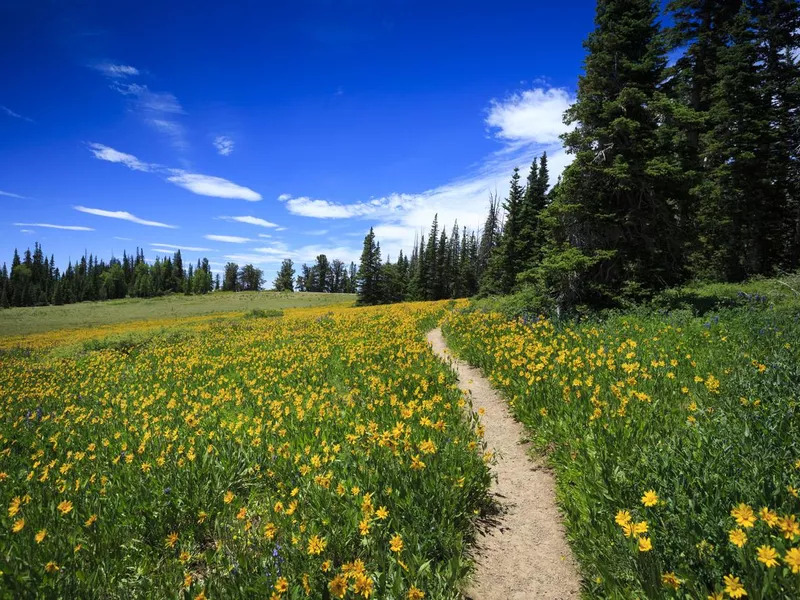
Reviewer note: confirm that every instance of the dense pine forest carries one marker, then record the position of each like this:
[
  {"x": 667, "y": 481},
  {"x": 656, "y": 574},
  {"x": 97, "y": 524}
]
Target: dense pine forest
[
  {"x": 35, "y": 280},
  {"x": 684, "y": 171}
]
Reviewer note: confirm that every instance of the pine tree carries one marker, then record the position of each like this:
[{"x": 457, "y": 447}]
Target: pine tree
[
  {"x": 369, "y": 291},
  {"x": 284, "y": 282},
  {"x": 614, "y": 222}
]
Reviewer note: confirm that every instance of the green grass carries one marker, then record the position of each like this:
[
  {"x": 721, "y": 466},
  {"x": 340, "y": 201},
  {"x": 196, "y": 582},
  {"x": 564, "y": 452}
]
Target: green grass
[
  {"x": 697, "y": 400},
  {"x": 25, "y": 321},
  {"x": 285, "y": 457}
]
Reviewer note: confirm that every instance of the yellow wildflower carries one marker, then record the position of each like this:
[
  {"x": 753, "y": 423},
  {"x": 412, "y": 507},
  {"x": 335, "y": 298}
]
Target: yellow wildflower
[
  {"x": 768, "y": 555},
  {"x": 734, "y": 587},
  {"x": 650, "y": 498}
]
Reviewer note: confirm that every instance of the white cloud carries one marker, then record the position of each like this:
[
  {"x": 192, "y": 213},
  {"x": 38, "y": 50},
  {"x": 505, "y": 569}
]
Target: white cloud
[
  {"x": 26, "y": 231},
  {"x": 10, "y": 195},
  {"x": 325, "y": 209},
  {"x": 115, "y": 156},
  {"x": 250, "y": 221},
  {"x": 526, "y": 124},
  {"x": 49, "y": 226},
  {"x": 317, "y": 232},
  {"x": 116, "y": 71},
  {"x": 174, "y": 130},
  {"x": 532, "y": 116},
  {"x": 16, "y": 115},
  {"x": 203, "y": 185},
  {"x": 224, "y": 145},
  {"x": 124, "y": 239},
  {"x": 146, "y": 99},
  {"x": 123, "y": 215},
  {"x": 178, "y": 247},
  {"x": 264, "y": 235},
  {"x": 230, "y": 239},
  {"x": 207, "y": 185}
]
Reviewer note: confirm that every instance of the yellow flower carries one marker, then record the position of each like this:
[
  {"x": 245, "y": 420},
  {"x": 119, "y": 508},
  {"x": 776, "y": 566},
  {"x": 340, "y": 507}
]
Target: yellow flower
[
  {"x": 650, "y": 498},
  {"x": 396, "y": 543},
  {"x": 733, "y": 587},
  {"x": 51, "y": 567},
  {"x": 789, "y": 526},
  {"x": 363, "y": 585},
  {"x": 171, "y": 540},
  {"x": 40, "y": 536},
  {"x": 416, "y": 463},
  {"x": 13, "y": 508},
  {"x": 415, "y": 593},
  {"x": 623, "y": 518},
  {"x": 744, "y": 515},
  {"x": 769, "y": 517},
  {"x": 90, "y": 521},
  {"x": 316, "y": 545},
  {"x": 282, "y": 585},
  {"x": 201, "y": 596},
  {"x": 338, "y": 586},
  {"x": 640, "y": 527},
  {"x": 671, "y": 580},
  {"x": 65, "y": 507},
  {"x": 202, "y": 516},
  {"x": 645, "y": 545},
  {"x": 768, "y": 555},
  {"x": 241, "y": 514},
  {"x": 381, "y": 513},
  {"x": 229, "y": 496},
  {"x": 278, "y": 508},
  {"x": 18, "y": 525},
  {"x": 792, "y": 558},
  {"x": 737, "y": 537},
  {"x": 363, "y": 527},
  {"x": 716, "y": 596},
  {"x": 326, "y": 566}
]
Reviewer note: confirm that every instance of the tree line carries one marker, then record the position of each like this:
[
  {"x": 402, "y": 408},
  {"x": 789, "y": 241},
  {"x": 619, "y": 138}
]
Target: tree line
[
  {"x": 34, "y": 279},
  {"x": 680, "y": 172},
  {"x": 323, "y": 276}
]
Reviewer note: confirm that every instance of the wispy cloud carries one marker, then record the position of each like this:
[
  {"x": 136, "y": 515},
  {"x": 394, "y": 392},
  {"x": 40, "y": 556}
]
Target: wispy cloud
[
  {"x": 10, "y": 195},
  {"x": 317, "y": 232},
  {"x": 203, "y": 185},
  {"x": 174, "y": 130},
  {"x": 230, "y": 239},
  {"x": 124, "y": 239},
  {"x": 217, "y": 187},
  {"x": 524, "y": 124},
  {"x": 116, "y": 71},
  {"x": 157, "y": 109},
  {"x": 16, "y": 115},
  {"x": 250, "y": 221},
  {"x": 51, "y": 226},
  {"x": 27, "y": 231},
  {"x": 122, "y": 215},
  {"x": 179, "y": 247},
  {"x": 224, "y": 145},
  {"x": 115, "y": 156},
  {"x": 264, "y": 235}
]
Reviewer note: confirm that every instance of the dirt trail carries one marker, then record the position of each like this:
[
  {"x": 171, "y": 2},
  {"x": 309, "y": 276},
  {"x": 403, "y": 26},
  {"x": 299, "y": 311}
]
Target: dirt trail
[{"x": 524, "y": 556}]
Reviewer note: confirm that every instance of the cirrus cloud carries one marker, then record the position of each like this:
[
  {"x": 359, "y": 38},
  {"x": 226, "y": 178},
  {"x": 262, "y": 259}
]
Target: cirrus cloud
[
  {"x": 122, "y": 215},
  {"x": 51, "y": 226},
  {"x": 197, "y": 183}
]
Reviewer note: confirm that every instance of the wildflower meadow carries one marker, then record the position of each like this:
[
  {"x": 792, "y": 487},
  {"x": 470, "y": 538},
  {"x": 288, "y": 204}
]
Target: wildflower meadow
[
  {"x": 674, "y": 439},
  {"x": 326, "y": 455}
]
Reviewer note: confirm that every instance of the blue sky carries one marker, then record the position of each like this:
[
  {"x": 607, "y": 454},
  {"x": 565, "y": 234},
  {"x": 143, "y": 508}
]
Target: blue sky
[{"x": 254, "y": 131}]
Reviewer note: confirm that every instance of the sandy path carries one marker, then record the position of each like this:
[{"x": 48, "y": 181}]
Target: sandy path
[{"x": 525, "y": 555}]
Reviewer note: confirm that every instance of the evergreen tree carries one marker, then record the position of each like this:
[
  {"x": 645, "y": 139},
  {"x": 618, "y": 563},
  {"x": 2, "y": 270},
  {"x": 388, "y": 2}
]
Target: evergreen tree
[
  {"x": 614, "y": 225},
  {"x": 284, "y": 282},
  {"x": 369, "y": 279},
  {"x": 230, "y": 281}
]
